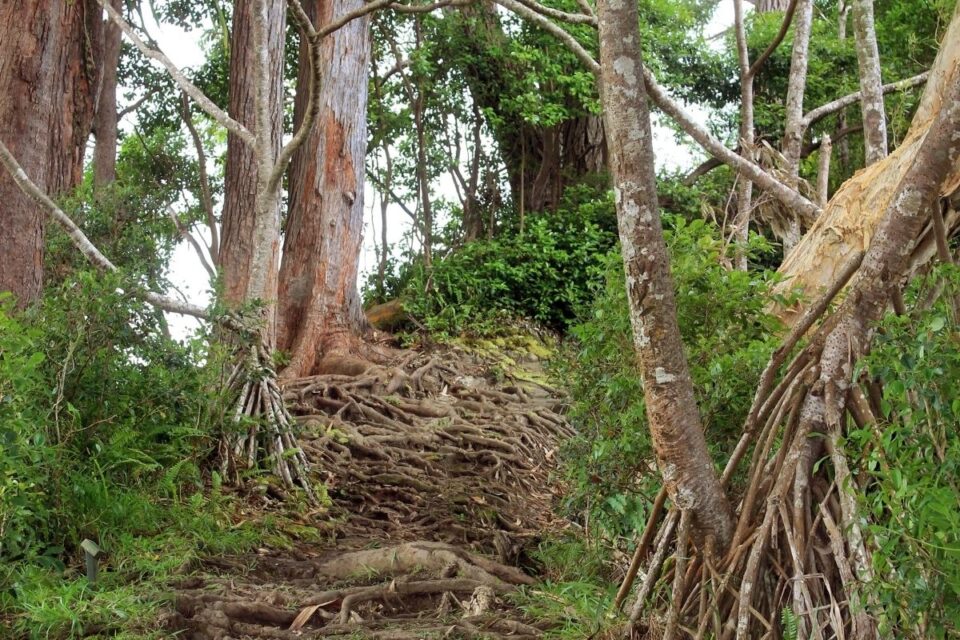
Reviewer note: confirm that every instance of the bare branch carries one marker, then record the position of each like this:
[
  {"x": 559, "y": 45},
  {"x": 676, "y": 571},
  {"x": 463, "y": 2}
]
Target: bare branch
[
  {"x": 206, "y": 199},
  {"x": 189, "y": 237},
  {"x": 82, "y": 242},
  {"x": 427, "y": 8},
  {"x": 792, "y": 199},
  {"x": 132, "y": 107},
  {"x": 830, "y": 108},
  {"x": 353, "y": 15},
  {"x": 563, "y": 16},
  {"x": 784, "y": 27},
  {"x": 185, "y": 85},
  {"x": 541, "y": 21}
]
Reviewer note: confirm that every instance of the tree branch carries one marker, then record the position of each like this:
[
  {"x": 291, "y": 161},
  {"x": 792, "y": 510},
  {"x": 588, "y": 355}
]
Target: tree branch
[
  {"x": 82, "y": 242},
  {"x": 206, "y": 198},
  {"x": 185, "y": 85},
  {"x": 830, "y": 108},
  {"x": 784, "y": 28},
  {"x": 563, "y": 16},
  {"x": 790, "y": 198}
]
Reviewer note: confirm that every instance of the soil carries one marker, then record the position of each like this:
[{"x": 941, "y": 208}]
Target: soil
[{"x": 440, "y": 475}]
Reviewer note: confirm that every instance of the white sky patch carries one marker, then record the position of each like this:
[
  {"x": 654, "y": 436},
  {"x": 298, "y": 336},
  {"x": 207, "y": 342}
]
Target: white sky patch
[{"x": 188, "y": 276}]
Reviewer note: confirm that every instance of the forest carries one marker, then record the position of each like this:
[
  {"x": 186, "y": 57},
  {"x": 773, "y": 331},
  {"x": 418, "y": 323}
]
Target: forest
[{"x": 492, "y": 319}]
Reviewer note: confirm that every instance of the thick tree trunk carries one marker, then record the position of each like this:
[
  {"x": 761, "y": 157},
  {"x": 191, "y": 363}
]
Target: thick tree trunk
[
  {"x": 244, "y": 211},
  {"x": 680, "y": 446},
  {"x": 848, "y": 223},
  {"x": 105, "y": 121},
  {"x": 868, "y": 59},
  {"x": 48, "y": 80},
  {"x": 319, "y": 305},
  {"x": 540, "y": 161}
]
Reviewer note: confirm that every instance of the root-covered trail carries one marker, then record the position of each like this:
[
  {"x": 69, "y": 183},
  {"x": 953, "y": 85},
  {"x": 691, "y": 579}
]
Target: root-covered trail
[{"x": 439, "y": 470}]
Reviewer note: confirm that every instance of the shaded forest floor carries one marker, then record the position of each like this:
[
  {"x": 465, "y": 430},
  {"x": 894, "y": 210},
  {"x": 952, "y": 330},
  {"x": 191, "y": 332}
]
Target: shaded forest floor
[{"x": 440, "y": 478}]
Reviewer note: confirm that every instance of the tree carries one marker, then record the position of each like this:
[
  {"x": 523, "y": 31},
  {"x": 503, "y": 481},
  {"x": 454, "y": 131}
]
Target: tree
[
  {"x": 871, "y": 85},
  {"x": 671, "y": 407},
  {"x": 106, "y": 117},
  {"x": 320, "y": 313},
  {"x": 48, "y": 81},
  {"x": 250, "y": 237}
]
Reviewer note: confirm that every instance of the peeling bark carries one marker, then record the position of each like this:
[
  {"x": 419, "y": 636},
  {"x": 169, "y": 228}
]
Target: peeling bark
[
  {"x": 850, "y": 220},
  {"x": 678, "y": 438},
  {"x": 319, "y": 305},
  {"x": 48, "y": 77}
]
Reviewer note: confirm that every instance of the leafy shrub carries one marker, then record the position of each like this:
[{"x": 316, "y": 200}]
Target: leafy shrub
[
  {"x": 546, "y": 274},
  {"x": 95, "y": 404},
  {"x": 911, "y": 461},
  {"x": 728, "y": 336}
]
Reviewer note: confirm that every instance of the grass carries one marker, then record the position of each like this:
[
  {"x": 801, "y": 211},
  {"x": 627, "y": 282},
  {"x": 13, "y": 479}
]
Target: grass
[
  {"x": 161, "y": 541},
  {"x": 577, "y": 594}
]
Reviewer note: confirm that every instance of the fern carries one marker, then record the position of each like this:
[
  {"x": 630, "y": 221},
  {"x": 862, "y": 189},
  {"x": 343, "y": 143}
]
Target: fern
[{"x": 790, "y": 621}]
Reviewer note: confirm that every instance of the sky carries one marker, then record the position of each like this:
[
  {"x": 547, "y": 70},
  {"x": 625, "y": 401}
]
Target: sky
[{"x": 190, "y": 280}]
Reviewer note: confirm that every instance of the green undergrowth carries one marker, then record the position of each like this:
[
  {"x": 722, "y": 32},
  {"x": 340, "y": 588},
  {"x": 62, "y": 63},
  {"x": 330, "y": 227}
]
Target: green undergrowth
[
  {"x": 910, "y": 466},
  {"x": 149, "y": 544},
  {"x": 577, "y": 592},
  {"x": 106, "y": 430}
]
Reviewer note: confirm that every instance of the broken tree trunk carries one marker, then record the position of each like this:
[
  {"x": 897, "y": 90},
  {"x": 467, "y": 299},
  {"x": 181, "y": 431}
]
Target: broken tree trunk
[{"x": 848, "y": 223}]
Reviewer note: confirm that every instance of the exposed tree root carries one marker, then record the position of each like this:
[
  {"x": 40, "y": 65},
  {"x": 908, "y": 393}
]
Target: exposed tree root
[
  {"x": 262, "y": 423},
  {"x": 431, "y": 451}
]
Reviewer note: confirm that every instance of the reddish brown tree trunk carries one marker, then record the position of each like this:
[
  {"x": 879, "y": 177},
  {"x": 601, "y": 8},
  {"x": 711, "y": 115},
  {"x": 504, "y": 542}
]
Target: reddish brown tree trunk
[
  {"x": 238, "y": 235},
  {"x": 105, "y": 122},
  {"x": 678, "y": 439},
  {"x": 48, "y": 77},
  {"x": 319, "y": 305}
]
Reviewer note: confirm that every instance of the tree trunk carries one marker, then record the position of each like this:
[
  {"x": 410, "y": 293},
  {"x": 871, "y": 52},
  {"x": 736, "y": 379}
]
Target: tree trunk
[
  {"x": 741, "y": 224},
  {"x": 794, "y": 127},
  {"x": 105, "y": 122},
  {"x": 319, "y": 305},
  {"x": 680, "y": 446},
  {"x": 48, "y": 80},
  {"x": 540, "y": 161},
  {"x": 868, "y": 59},
  {"x": 847, "y": 225},
  {"x": 244, "y": 215},
  {"x": 772, "y": 5}
]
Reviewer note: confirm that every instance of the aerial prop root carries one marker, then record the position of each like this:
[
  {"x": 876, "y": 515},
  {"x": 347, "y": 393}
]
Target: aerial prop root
[
  {"x": 797, "y": 546},
  {"x": 261, "y": 422}
]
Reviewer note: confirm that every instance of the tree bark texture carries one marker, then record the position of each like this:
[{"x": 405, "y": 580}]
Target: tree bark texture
[
  {"x": 48, "y": 76},
  {"x": 319, "y": 305},
  {"x": 105, "y": 120},
  {"x": 680, "y": 446},
  {"x": 848, "y": 223},
  {"x": 868, "y": 60},
  {"x": 241, "y": 184},
  {"x": 794, "y": 127}
]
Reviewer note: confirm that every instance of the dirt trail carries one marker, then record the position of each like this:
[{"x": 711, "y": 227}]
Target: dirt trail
[{"x": 439, "y": 470}]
